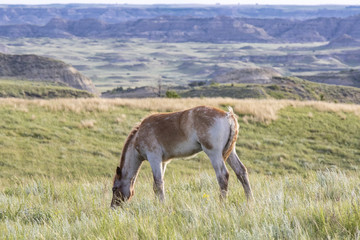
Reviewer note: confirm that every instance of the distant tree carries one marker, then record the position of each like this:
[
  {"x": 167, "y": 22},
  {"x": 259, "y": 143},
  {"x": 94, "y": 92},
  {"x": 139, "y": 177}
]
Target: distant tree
[
  {"x": 158, "y": 87},
  {"x": 172, "y": 94}
]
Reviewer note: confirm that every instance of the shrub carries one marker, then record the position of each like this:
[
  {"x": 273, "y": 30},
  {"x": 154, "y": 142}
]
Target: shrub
[{"x": 172, "y": 94}]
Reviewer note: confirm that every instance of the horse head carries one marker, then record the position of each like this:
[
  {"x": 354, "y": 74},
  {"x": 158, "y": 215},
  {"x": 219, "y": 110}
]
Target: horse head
[{"x": 122, "y": 190}]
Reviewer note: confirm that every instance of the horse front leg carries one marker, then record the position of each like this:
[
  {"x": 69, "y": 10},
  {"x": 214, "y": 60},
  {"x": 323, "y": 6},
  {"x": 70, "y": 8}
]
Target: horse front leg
[{"x": 158, "y": 174}]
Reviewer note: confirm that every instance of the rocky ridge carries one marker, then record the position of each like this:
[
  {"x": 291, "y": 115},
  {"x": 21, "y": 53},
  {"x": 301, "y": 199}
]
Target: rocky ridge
[
  {"x": 37, "y": 68},
  {"x": 342, "y": 41},
  {"x": 184, "y": 29},
  {"x": 115, "y": 13}
]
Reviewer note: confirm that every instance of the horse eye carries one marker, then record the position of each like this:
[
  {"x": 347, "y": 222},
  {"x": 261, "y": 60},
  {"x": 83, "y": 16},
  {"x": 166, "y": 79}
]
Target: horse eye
[{"x": 114, "y": 189}]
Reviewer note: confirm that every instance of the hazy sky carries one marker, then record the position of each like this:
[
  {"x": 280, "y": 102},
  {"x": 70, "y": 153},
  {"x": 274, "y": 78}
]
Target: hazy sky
[{"x": 294, "y": 2}]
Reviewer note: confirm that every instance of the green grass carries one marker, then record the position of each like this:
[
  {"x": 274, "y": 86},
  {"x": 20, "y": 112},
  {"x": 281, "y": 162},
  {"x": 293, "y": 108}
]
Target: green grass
[
  {"x": 282, "y": 88},
  {"x": 322, "y": 206},
  {"x": 28, "y": 89},
  {"x": 56, "y": 168},
  {"x": 220, "y": 90}
]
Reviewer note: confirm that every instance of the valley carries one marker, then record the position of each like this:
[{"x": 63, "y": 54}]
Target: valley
[{"x": 112, "y": 63}]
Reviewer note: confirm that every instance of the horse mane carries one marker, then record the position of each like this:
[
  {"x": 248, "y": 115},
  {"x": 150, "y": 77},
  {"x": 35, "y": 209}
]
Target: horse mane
[{"x": 127, "y": 143}]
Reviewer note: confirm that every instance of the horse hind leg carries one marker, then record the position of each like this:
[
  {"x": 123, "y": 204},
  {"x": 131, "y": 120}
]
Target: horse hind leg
[
  {"x": 241, "y": 173},
  {"x": 221, "y": 171}
]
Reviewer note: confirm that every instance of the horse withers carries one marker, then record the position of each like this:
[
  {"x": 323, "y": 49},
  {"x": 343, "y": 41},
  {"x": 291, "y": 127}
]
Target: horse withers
[{"x": 161, "y": 137}]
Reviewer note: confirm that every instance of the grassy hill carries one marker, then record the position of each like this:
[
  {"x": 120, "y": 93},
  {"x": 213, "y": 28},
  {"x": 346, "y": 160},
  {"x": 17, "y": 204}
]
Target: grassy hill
[
  {"x": 274, "y": 88},
  {"x": 346, "y": 78},
  {"x": 279, "y": 88},
  {"x": 57, "y": 159},
  {"x": 10, "y": 88},
  {"x": 38, "y": 68}
]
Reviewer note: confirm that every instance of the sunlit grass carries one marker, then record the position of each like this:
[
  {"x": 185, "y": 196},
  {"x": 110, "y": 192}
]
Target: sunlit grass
[
  {"x": 260, "y": 110},
  {"x": 322, "y": 205},
  {"x": 58, "y": 157},
  {"x": 15, "y": 88}
]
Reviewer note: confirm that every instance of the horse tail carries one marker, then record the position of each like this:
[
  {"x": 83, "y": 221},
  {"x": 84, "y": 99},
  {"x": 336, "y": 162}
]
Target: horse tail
[{"x": 234, "y": 130}]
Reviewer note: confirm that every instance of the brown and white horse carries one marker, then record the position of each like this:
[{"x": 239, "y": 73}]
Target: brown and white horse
[{"x": 161, "y": 137}]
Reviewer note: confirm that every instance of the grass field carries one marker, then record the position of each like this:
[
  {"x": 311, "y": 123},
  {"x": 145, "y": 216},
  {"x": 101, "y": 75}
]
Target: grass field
[
  {"x": 282, "y": 88},
  {"x": 58, "y": 157}
]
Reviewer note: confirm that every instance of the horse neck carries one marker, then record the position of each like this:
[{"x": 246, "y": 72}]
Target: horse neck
[{"x": 131, "y": 162}]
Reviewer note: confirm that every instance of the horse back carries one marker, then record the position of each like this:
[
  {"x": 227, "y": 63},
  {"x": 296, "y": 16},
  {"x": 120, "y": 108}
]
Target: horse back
[{"x": 180, "y": 133}]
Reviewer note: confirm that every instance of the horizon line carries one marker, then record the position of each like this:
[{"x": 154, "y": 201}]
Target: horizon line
[{"x": 179, "y": 4}]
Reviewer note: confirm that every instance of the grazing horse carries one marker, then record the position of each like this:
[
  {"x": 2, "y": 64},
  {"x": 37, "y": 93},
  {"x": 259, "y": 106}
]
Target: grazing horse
[{"x": 161, "y": 137}]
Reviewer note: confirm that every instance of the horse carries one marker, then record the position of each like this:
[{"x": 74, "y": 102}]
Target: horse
[{"x": 164, "y": 136}]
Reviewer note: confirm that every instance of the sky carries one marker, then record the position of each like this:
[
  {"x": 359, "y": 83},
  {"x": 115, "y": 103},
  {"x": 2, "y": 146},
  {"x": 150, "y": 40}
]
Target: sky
[{"x": 222, "y": 2}]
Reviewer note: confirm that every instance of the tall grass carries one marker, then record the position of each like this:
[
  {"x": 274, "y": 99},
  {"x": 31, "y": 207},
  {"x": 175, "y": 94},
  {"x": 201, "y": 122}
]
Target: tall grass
[
  {"x": 324, "y": 205},
  {"x": 57, "y": 158},
  {"x": 260, "y": 110}
]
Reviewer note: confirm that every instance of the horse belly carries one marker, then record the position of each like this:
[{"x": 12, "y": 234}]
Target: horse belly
[{"x": 184, "y": 149}]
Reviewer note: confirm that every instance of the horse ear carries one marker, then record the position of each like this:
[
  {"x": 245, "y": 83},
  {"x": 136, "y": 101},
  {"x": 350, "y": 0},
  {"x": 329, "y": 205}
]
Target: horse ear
[{"x": 118, "y": 171}]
